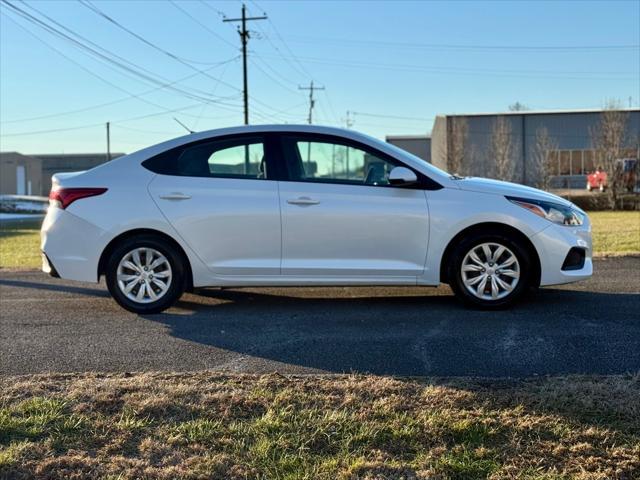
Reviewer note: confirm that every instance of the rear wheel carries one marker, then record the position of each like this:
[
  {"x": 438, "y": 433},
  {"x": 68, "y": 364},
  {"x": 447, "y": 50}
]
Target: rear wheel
[
  {"x": 490, "y": 271},
  {"x": 145, "y": 274}
]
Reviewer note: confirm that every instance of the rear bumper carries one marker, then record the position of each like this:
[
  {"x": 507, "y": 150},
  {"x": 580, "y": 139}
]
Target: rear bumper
[
  {"x": 554, "y": 244},
  {"x": 47, "y": 266},
  {"x": 70, "y": 245}
]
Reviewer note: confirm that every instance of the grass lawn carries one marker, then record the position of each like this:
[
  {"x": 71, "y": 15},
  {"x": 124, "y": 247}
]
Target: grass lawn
[
  {"x": 614, "y": 233},
  {"x": 208, "y": 425},
  {"x": 20, "y": 244}
]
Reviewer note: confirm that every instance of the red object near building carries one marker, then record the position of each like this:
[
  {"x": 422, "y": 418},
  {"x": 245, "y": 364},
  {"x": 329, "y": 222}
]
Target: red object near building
[{"x": 597, "y": 180}]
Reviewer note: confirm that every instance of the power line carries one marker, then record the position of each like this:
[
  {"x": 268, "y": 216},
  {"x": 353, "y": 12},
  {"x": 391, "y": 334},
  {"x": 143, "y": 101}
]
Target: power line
[
  {"x": 204, "y": 26},
  {"x": 286, "y": 46},
  {"x": 399, "y": 117},
  {"x": 300, "y": 70},
  {"x": 105, "y": 104},
  {"x": 96, "y": 10},
  {"x": 212, "y": 8},
  {"x": 107, "y": 56},
  {"x": 293, "y": 61},
  {"x": 79, "y": 127},
  {"x": 213, "y": 91},
  {"x": 52, "y": 130},
  {"x": 352, "y": 63},
  {"x": 331, "y": 109},
  {"x": 142, "y": 130},
  {"x": 272, "y": 77},
  {"x": 449, "y": 46},
  {"x": 92, "y": 73}
]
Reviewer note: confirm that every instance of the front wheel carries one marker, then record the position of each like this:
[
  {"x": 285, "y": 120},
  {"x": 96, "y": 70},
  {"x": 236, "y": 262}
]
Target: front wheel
[
  {"x": 145, "y": 274},
  {"x": 490, "y": 271}
]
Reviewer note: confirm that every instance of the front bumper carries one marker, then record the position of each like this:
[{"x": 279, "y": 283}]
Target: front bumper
[
  {"x": 71, "y": 244},
  {"x": 554, "y": 244}
]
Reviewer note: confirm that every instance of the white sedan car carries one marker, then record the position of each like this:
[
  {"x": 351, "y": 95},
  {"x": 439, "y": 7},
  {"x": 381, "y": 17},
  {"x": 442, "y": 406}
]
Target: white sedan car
[{"x": 286, "y": 205}]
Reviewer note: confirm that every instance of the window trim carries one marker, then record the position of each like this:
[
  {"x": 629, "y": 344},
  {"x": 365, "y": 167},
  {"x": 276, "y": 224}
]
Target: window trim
[
  {"x": 173, "y": 154},
  {"x": 424, "y": 182}
]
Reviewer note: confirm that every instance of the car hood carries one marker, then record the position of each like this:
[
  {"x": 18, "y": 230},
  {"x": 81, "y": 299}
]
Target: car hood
[{"x": 497, "y": 187}]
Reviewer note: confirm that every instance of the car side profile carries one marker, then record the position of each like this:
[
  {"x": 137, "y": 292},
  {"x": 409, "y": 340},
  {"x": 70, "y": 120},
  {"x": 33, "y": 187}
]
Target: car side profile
[{"x": 298, "y": 205}]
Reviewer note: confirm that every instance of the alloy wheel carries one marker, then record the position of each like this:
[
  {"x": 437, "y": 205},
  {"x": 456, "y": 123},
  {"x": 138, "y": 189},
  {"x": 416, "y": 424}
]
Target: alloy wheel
[
  {"x": 144, "y": 275},
  {"x": 490, "y": 271}
]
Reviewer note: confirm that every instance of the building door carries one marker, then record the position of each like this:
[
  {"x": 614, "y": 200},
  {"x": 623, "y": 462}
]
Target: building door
[{"x": 20, "y": 180}]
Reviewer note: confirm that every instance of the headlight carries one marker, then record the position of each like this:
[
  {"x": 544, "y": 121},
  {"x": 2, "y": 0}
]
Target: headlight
[{"x": 554, "y": 212}]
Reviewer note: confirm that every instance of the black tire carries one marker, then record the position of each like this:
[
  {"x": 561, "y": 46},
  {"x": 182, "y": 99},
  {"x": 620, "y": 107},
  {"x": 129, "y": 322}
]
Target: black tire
[
  {"x": 178, "y": 278},
  {"x": 455, "y": 271}
]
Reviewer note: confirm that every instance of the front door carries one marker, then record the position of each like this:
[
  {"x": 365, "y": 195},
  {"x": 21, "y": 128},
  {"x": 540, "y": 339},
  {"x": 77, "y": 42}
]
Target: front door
[
  {"x": 340, "y": 216},
  {"x": 222, "y": 202}
]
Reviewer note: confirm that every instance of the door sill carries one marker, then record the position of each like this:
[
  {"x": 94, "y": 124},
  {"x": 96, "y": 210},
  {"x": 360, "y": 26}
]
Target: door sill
[{"x": 305, "y": 280}]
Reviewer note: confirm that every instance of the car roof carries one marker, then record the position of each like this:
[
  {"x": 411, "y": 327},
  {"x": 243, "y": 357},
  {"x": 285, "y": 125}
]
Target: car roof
[
  {"x": 275, "y": 128},
  {"x": 249, "y": 129}
]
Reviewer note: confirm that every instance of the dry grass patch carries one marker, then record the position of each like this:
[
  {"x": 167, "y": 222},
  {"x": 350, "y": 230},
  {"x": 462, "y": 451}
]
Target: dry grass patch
[{"x": 208, "y": 425}]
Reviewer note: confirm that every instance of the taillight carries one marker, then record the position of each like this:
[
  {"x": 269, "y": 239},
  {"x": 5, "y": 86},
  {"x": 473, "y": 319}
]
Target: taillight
[{"x": 63, "y": 197}]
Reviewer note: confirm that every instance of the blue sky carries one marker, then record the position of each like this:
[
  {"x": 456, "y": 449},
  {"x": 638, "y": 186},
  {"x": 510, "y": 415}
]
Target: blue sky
[{"x": 395, "y": 64}]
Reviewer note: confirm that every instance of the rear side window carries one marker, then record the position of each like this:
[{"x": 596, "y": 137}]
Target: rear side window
[{"x": 227, "y": 158}]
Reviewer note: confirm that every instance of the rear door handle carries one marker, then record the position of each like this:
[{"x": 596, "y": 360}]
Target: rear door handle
[
  {"x": 175, "y": 196},
  {"x": 303, "y": 201}
]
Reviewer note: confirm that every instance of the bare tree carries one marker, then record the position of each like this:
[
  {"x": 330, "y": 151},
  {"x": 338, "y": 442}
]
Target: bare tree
[
  {"x": 501, "y": 148},
  {"x": 518, "y": 107},
  {"x": 609, "y": 141},
  {"x": 543, "y": 155},
  {"x": 458, "y": 130}
]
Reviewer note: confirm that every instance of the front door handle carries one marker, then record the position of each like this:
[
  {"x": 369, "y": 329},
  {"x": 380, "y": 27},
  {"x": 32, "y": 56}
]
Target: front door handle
[
  {"x": 303, "y": 201},
  {"x": 175, "y": 196}
]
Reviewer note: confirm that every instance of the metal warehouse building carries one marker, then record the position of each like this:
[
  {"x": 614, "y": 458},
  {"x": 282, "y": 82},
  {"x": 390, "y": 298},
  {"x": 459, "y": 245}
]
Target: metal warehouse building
[
  {"x": 20, "y": 174},
  {"x": 419, "y": 145},
  {"x": 68, "y": 162},
  {"x": 31, "y": 174},
  {"x": 569, "y": 130}
]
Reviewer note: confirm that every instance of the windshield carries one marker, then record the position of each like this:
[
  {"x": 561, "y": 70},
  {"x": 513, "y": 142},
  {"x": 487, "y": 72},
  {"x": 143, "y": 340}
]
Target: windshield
[{"x": 432, "y": 168}]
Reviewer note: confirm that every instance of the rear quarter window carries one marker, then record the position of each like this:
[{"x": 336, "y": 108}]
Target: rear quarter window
[{"x": 239, "y": 157}]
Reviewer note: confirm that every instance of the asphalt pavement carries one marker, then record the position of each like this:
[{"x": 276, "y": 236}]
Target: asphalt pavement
[{"x": 51, "y": 325}]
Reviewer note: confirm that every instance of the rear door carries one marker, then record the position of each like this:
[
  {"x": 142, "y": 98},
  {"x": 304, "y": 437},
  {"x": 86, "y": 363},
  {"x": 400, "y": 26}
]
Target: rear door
[
  {"x": 220, "y": 196},
  {"x": 340, "y": 216}
]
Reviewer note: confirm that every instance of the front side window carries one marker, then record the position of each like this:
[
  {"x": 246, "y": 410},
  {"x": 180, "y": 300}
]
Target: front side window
[{"x": 320, "y": 161}]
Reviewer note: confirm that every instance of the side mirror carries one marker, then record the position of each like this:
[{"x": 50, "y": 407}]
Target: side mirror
[{"x": 402, "y": 176}]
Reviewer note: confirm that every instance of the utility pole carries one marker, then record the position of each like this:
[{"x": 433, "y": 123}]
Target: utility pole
[
  {"x": 244, "y": 38},
  {"x": 312, "y": 102},
  {"x": 348, "y": 121},
  {"x": 108, "y": 141}
]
